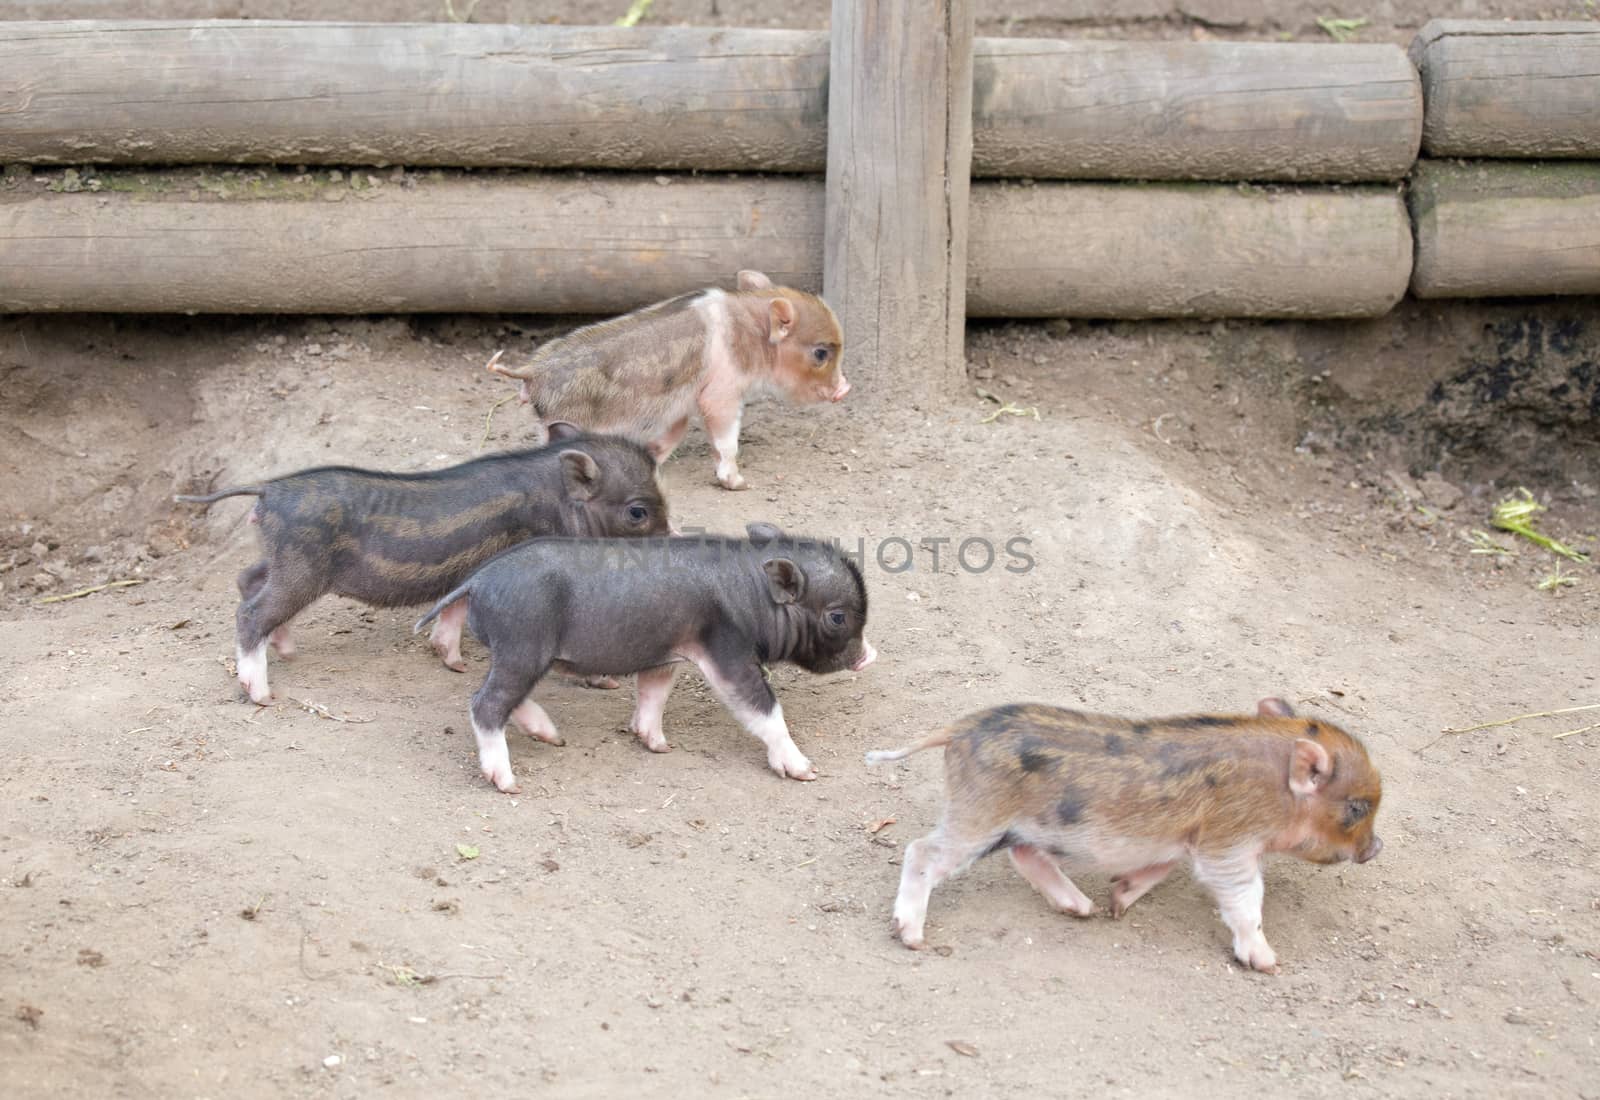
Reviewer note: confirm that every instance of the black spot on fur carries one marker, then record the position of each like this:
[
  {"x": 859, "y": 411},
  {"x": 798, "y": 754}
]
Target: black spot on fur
[
  {"x": 1033, "y": 755},
  {"x": 1211, "y": 780},
  {"x": 1141, "y": 728},
  {"x": 1006, "y": 839},
  {"x": 1313, "y": 730},
  {"x": 1202, "y": 721},
  {"x": 1175, "y": 761},
  {"x": 1069, "y": 809},
  {"x": 998, "y": 720},
  {"x": 1114, "y": 745}
]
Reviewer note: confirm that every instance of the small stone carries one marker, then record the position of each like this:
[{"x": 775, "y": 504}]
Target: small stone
[
  {"x": 1439, "y": 492},
  {"x": 1403, "y": 482},
  {"x": 1313, "y": 443},
  {"x": 332, "y": 1061}
]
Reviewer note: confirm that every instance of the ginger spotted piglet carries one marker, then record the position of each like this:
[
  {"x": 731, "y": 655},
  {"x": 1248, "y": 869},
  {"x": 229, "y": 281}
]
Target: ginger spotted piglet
[
  {"x": 1135, "y": 798},
  {"x": 645, "y": 374}
]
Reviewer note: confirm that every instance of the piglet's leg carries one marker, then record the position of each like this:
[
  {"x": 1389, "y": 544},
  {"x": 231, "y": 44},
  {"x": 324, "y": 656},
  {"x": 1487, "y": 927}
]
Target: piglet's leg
[
  {"x": 492, "y": 706},
  {"x": 1235, "y": 881},
  {"x": 250, "y": 580},
  {"x": 662, "y": 447},
  {"x": 1046, "y": 877},
  {"x": 927, "y": 863},
  {"x": 252, "y": 667},
  {"x": 269, "y": 607},
  {"x": 722, "y": 424},
  {"x": 445, "y": 637},
  {"x": 281, "y": 643},
  {"x": 740, "y": 686},
  {"x": 1129, "y": 888},
  {"x": 533, "y": 718},
  {"x": 654, "y": 685}
]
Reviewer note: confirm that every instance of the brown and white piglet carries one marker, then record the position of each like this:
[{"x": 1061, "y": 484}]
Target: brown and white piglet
[
  {"x": 392, "y": 540},
  {"x": 644, "y": 374},
  {"x": 1134, "y": 798}
]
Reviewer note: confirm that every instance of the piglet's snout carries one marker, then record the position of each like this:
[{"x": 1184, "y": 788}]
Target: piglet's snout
[
  {"x": 840, "y": 390},
  {"x": 868, "y": 655},
  {"x": 1371, "y": 850}
]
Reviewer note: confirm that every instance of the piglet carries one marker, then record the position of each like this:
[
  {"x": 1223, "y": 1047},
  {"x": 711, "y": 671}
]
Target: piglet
[
  {"x": 644, "y": 374},
  {"x": 1133, "y": 799},
  {"x": 392, "y": 540},
  {"x": 730, "y": 607}
]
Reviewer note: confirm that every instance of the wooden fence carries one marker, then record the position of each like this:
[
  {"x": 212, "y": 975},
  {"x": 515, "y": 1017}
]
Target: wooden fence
[{"x": 594, "y": 169}]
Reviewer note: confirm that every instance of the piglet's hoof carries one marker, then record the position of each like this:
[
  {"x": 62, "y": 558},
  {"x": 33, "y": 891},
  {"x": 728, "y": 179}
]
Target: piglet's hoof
[
  {"x": 734, "y": 483},
  {"x": 797, "y": 767},
  {"x": 905, "y": 936},
  {"x": 652, "y": 739},
  {"x": 503, "y": 780},
  {"x": 1259, "y": 957},
  {"x": 601, "y": 683}
]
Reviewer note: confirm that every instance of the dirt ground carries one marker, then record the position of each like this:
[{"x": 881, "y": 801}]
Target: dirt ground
[{"x": 204, "y": 898}]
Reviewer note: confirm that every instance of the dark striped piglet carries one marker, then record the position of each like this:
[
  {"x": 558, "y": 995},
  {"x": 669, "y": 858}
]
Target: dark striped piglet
[
  {"x": 1132, "y": 799},
  {"x": 728, "y": 606},
  {"x": 394, "y": 540}
]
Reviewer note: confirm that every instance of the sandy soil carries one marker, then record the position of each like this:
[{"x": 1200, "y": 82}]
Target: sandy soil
[{"x": 204, "y": 898}]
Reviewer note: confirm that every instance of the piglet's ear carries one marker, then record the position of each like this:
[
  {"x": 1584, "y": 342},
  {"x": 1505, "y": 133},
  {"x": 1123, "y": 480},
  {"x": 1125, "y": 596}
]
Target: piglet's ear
[
  {"x": 785, "y": 580},
  {"x": 753, "y": 280},
  {"x": 762, "y": 533},
  {"x": 1274, "y": 708},
  {"x": 780, "y": 320},
  {"x": 562, "y": 430},
  {"x": 580, "y": 475},
  {"x": 1308, "y": 768}
]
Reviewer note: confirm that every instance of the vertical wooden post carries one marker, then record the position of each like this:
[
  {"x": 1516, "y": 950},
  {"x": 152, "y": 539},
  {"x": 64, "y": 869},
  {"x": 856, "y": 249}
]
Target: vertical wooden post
[{"x": 899, "y": 157}]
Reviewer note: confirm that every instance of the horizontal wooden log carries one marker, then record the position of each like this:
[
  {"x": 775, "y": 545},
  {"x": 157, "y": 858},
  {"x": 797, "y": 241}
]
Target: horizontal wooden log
[
  {"x": 425, "y": 94},
  {"x": 1510, "y": 89},
  {"x": 264, "y": 241},
  {"x": 1185, "y": 250},
  {"x": 1188, "y": 110},
  {"x": 678, "y": 98},
  {"x": 1505, "y": 229},
  {"x": 188, "y": 241}
]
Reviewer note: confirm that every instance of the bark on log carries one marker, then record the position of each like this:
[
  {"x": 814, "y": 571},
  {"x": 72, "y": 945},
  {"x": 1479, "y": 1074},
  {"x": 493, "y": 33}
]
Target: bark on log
[
  {"x": 1510, "y": 89},
  {"x": 491, "y": 242},
  {"x": 1185, "y": 110},
  {"x": 1186, "y": 250},
  {"x": 678, "y": 97},
  {"x": 1504, "y": 229},
  {"x": 449, "y": 94},
  {"x": 259, "y": 241}
]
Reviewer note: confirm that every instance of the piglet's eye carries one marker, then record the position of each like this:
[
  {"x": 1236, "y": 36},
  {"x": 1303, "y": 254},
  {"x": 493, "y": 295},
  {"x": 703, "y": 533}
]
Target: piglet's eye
[
  {"x": 836, "y": 618},
  {"x": 1356, "y": 809},
  {"x": 820, "y": 354},
  {"x": 638, "y": 513}
]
